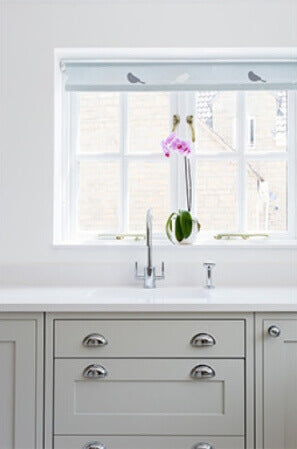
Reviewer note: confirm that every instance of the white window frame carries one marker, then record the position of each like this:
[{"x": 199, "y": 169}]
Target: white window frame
[
  {"x": 66, "y": 168},
  {"x": 250, "y": 121}
]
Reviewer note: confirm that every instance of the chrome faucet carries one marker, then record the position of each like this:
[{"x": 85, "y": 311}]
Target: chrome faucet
[
  {"x": 149, "y": 276},
  {"x": 209, "y": 281}
]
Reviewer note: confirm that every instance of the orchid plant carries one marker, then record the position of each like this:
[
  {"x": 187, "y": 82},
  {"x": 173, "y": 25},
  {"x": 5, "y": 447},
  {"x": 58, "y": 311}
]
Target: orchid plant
[
  {"x": 184, "y": 148},
  {"x": 181, "y": 225}
]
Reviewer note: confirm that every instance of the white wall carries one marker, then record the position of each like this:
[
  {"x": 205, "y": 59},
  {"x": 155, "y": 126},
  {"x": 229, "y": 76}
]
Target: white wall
[{"x": 30, "y": 31}]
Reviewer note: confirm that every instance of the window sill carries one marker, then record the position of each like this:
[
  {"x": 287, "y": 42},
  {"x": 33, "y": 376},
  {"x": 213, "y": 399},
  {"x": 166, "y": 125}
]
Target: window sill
[{"x": 202, "y": 243}]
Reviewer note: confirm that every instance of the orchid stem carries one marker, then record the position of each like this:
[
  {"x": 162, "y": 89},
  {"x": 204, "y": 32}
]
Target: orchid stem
[
  {"x": 188, "y": 178},
  {"x": 190, "y": 184}
]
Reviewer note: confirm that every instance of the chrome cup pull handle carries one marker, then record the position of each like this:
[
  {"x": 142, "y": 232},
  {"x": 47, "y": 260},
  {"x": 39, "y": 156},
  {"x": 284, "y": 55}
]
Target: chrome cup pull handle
[
  {"x": 202, "y": 372},
  {"x": 93, "y": 340},
  {"x": 203, "y": 339},
  {"x": 95, "y": 372},
  {"x": 203, "y": 446},
  {"x": 94, "y": 445},
  {"x": 274, "y": 331}
]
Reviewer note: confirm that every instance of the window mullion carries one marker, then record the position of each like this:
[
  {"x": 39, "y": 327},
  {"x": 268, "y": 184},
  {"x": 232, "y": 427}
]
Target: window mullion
[
  {"x": 65, "y": 166},
  {"x": 291, "y": 164},
  {"x": 191, "y": 110},
  {"x": 182, "y": 132},
  {"x": 117, "y": 156},
  {"x": 97, "y": 156},
  {"x": 74, "y": 164},
  {"x": 266, "y": 156},
  {"x": 173, "y": 177},
  {"x": 217, "y": 156},
  {"x": 241, "y": 116},
  {"x": 124, "y": 201}
]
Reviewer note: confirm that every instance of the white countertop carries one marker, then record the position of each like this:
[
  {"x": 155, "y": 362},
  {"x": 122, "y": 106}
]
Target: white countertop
[{"x": 135, "y": 299}]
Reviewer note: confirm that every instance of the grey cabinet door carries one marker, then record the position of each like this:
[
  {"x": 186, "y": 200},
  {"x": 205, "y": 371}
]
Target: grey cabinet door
[
  {"x": 280, "y": 385},
  {"x": 18, "y": 386},
  {"x": 149, "y": 397}
]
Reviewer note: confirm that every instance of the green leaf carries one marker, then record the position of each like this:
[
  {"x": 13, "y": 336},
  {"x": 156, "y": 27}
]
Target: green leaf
[
  {"x": 168, "y": 226},
  {"x": 178, "y": 229},
  {"x": 186, "y": 223}
]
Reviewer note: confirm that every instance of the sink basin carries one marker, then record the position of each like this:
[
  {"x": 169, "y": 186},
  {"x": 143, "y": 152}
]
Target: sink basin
[{"x": 160, "y": 294}]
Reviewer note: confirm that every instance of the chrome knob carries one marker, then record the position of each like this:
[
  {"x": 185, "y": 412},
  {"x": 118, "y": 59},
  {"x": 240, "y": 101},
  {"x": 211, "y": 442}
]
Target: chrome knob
[
  {"x": 203, "y": 446},
  {"x": 274, "y": 331},
  {"x": 94, "y": 340},
  {"x": 203, "y": 340},
  {"x": 95, "y": 372},
  {"x": 94, "y": 445},
  {"x": 202, "y": 372}
]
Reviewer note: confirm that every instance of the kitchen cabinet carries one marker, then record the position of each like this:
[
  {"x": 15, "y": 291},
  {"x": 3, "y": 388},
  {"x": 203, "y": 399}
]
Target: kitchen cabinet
[
  {"x": 276, "y": 374},
  {"x": 148, "y": 379},
  {"x": 181, "y": 380},
  {"x": 21, "y": 386}
]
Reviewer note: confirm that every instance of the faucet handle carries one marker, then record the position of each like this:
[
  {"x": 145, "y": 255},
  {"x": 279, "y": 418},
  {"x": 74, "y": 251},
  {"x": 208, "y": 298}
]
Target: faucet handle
[
  {"x": 161, "y": 276},
  {"x": 209, "y": 264},
  {"x": 137, "y": 275}
]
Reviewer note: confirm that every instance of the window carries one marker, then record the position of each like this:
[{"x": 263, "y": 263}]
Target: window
[{"x": 112, "y": 168}]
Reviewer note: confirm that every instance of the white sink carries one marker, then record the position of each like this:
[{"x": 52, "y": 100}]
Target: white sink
[{"x": 138, "y": 294}]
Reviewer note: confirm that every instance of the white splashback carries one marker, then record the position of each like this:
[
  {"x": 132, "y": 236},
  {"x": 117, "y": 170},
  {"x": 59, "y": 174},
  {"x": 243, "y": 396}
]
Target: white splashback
[{"x": 234, "y": 268}]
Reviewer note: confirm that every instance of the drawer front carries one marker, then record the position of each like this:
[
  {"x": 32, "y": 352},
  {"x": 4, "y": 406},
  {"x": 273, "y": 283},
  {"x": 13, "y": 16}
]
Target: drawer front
[
  {"x": 149, "y": 338},
  {"x": 129, "y": 442},
  {"x": 149, "y": 397}
]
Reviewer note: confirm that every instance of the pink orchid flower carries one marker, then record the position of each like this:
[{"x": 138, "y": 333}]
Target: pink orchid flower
[
  {"x": 170, "y": 138},
  {"x": 172, "y": 142},
  {"x": 165, "y": 148}
]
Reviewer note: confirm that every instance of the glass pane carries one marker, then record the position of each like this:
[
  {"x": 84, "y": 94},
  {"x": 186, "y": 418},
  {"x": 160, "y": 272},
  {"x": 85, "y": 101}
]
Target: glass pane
[
  {"x": 267, "y": 195},
  {"x": 216, "y": 202},
  {"x": 98, "y": 202},
  {"x": 148, "y": 187},
  {"x": 148, "y": 115},
  {"x": 266, "y": 121},
  {"x": 99, "y": 122},
  {"x": 215, "y": 121}
]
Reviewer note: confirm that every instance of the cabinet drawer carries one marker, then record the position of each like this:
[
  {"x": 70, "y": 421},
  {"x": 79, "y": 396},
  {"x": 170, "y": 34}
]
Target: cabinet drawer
[
  {"x": 149, "y": 397},
  {"x": 176, "y": 442},
  {"x": 149, "y": 338}
]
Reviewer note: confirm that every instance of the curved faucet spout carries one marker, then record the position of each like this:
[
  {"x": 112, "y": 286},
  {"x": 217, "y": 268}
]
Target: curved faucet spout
[
  {"x": 149, "y": 277},
  {"x": 149, "y": 237}
]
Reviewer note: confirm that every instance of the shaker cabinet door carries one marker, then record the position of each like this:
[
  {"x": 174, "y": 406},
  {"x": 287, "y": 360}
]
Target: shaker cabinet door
[
  {"x": 18, "y": 386},
  {"x": 279, "y": 364}
]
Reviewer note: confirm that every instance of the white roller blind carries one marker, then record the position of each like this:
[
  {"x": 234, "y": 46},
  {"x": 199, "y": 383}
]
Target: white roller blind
[{"x": 123, "y": 76}]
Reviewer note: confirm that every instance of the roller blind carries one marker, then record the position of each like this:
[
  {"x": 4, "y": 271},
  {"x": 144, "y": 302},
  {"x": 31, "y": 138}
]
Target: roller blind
[{"x": 171, "y": 76}]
